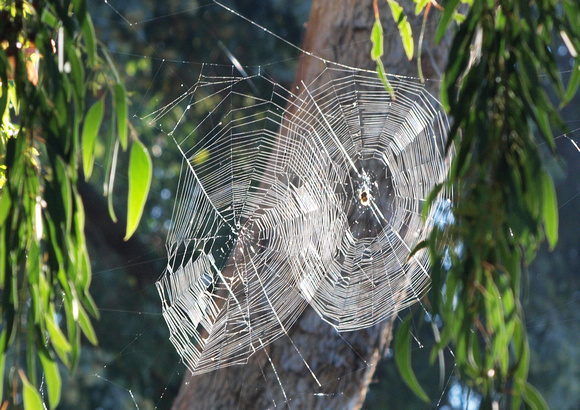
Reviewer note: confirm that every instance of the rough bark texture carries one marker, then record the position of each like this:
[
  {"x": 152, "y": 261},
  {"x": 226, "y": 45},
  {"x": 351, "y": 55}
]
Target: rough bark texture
[{"x": 339, "y": 31}]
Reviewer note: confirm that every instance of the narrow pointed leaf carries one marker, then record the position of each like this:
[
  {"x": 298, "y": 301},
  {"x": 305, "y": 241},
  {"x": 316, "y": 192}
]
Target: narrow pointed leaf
[
  {"x": 52, "y": 377},
  {"x": 89, "y": 36},
  {"x": 111, "y": 182},
  {"x": 140, "y": 173},
  {"x": 5, "y": 205},
  {"x": 383, "y": 77},
  {"x": 122, "y": 114},
  {"x": 405, "y": 30},
  {"x": 448, "y": 13},
  {"x": 420, "y": 6},
  {"x": 30, "y": 395},
  {"x": 572, "y": 84},
  {"x": 376, "y": 54},
  {"x": 57, "y": 338},
  {"x": 403, "y": 359},
  {"x": 377, "y": 39},
  {"x": 90, "y": 132},
  {"x": 533, "y": 398},
  {"x": 86, "y": 326},
  {"x": 2, "y": 360},
  {"x": 550, "y": 209}
]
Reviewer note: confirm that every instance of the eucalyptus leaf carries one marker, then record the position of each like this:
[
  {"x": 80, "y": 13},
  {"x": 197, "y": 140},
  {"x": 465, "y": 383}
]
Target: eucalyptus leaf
[
  {"x": 377, "y": 52},
  {"x": 122, "y": 113},
  {"x": 30, "y": 396},
  {"x": 5, "y": 205},
  {"x": 66, "y": 192},
  {"x": 448, "y": 12},
  {"x": 89, "y": 36},
  {"x": 377, "y": 40},
  {"x": 404, "y": 27},
  {"x": 2, "y": 362},
  {"x": 112, "y": 171},
  {"x": 533, "y": 398},
  {"x": 4, "y": 85},
  {"x": 87, "y": 327},
  {"x": 140, "y": 174},
  {"x": 90, "y": 131},
  {"x": 77, "y": 74},
  {"x": 383, "y": 77},
  {"x": 57, "y": 338},
  {"x": 429, "y": 200},
  {"x": 550, "y": 209},
  {"x": 573, "y": 83},
  {"x": 420, "y": 6},
  {"x": 403, "y": 359},
  {"x": 80, "y": 9},
  {"x": 52, "y": 377}
]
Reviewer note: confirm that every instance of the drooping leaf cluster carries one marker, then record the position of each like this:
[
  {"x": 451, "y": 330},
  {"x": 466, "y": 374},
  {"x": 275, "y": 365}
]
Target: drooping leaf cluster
[
  {"x": 51, "y": 69},
  {"x": 501, "y": 68}
]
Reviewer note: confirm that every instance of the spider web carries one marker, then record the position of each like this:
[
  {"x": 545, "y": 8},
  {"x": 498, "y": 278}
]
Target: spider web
[{"x": 312, "y": 198}]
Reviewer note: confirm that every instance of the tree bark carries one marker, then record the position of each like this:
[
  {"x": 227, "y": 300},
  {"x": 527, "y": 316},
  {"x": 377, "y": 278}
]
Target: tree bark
[{"x": 339, "y": 31}]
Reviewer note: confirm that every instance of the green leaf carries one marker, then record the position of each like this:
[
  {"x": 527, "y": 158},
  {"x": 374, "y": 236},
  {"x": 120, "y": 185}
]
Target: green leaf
[
  {"x": 57, "y": 338},
  {"x": 77, "y": 74},
  {"x": 52, "y": 377},
  {"x": 111, "y": 183},
  {"x": 376, "y": 54},
  {"x": 122, "y": 114},
  {"x": 550, "y": 209},
  {"x": 420, "y": 5},
  {"x": 403, "y": 359},
  {"x": 73, "y": 331},
  {"x": 448, "y": 13},
  {"x": 405, "y": 30},
  {"x": 87, "y": 327},
  {"x": 30, "y": 348},
  {"x": 4, "y": 80},
  {"x": 90, "y": 131},
  {"x": 421, "y": 245},
  {"x": 458, "y": 17},
  {"x": 377, "y": 39},
  {"x": 521, "y": 350},
  {"x": 110, "y": 165},
  {"x": 85, "y": 270},
  {"x": 4, "y": 267},
  {"x": 111, "y": 65},
  {"x": 65, "y": 191},
  {"x": 420, "y": 49},
  {"x": 533, "y": 398},
  {"x": 2, "y": 361},
  {"x": 383, "y": 77},
  {"x": 543, "y": 121},
  {"x": 89, "y": 35},
  {"x": 48, "y": 17},
  {"x": 80, "y": 9},
  {"x": 140, "y": 173},
  {"x": 5, "y": 205},
  {"x": 30, "y": 395},
  {"x": 570, "y": 8},
  {"x": 572, "y": 84},
  {"x": 429, "y": 200},
  {"x": 90, "y": 305}
]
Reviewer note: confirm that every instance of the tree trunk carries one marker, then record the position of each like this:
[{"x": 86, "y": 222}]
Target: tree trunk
[{"x": 339, "y": 31}]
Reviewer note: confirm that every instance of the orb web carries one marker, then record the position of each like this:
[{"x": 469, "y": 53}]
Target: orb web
[{"x": 309, "y": 197}]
